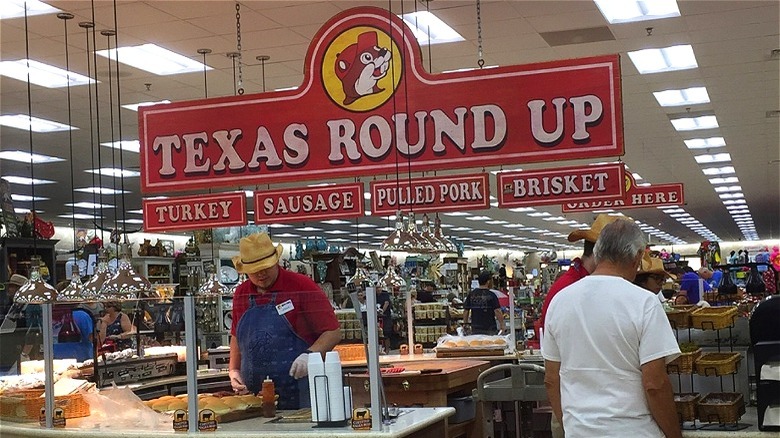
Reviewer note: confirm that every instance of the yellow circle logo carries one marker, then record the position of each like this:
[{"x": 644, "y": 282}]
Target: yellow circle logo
[{"x": 361, "y": 69}]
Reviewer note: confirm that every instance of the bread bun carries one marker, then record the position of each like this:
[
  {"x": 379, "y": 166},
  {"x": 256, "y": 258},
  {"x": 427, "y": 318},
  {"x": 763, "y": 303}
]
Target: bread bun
[
  {"x": 183, "y": 395},
  {"x": 235, "y": 403},
  {"x": 449, "y": 344},
  {"x": 462, "y": 344},
  {"x": 178, "y": 404},
  {"x": 218, "y": 407},
  {"x": 166, "y": 397},
  {"x": 499, "y": 341},
  {"x": 161, "y": 405},
  {"x": 253, "y": 401}
]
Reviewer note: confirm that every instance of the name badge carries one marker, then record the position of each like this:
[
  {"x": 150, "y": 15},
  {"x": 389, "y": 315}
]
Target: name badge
[{"x": 284, "y": 307}]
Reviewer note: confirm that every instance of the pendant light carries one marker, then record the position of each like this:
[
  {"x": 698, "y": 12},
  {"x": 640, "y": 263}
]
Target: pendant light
[
  {"x": 391, "y": 279},
  {"x": 361, "y": 276},
  {"x": 426, "y": 233},
  {"x": 232, "y": 290},
  {"x": 93, "y": 288},
  {"x": 420, "y": 244},
  {"x": 447, "y": 244},
  {"x": 126, "y": 284},
  {"x": 399, "y": 239},
  {"x": 73, "y": 291},
  {"x": 212, "y": 286},
  {"x": 35, "y": 290}
]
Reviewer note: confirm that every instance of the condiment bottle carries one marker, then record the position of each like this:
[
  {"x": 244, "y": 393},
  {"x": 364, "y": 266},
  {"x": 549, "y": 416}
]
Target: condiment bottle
[{"x": 268, "y": 393}]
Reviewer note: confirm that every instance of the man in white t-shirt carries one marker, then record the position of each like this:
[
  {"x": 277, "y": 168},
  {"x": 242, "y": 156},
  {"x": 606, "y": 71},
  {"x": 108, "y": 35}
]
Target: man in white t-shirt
[{"x": 606, "y": 346}]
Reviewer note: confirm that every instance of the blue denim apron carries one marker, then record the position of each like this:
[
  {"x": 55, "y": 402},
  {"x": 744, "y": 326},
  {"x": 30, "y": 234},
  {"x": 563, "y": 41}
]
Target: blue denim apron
[{"x": 268, "y": 347}]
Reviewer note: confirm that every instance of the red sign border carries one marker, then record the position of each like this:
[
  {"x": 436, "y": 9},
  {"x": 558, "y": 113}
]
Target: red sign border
[
  {"x": 190, "y": 225},
  {"x": 531, "y": 203},
  {"x": 360, "y": 208},
  {"x": 639, "y": 188},
  {"x": 484, "y": 176}
]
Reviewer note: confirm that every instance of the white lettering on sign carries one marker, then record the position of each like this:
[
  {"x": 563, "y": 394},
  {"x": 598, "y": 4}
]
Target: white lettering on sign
[
  {"x": 559, "y": 185},
  {"x": 461, "y": 191},
  {"x": 587, "y": 110},
  {"x": 294, "y": 204},
  {"x": 654, "y": 198},
  {"x": 374, "y": 139},
  {"x": 197, "y": 211}
]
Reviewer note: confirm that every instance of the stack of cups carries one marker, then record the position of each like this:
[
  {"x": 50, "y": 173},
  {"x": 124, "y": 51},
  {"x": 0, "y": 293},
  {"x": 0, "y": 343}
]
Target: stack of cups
[{"x": 331, "y": 401}]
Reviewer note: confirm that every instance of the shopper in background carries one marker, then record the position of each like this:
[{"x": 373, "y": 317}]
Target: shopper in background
[
  {"x": 74, "y": 332},
  {"x": 425, "y": 295},
  {"x": 693, "y": 285},
  {"x": 502, "y": 277},
  {"x": 482, "y": 307},
  {"x": 115, "y": 325},
  {"x": 12, "y": 313},
  {"x": 278, "y": 318},
  {"x": 580, "y": 268},
  {"x": 652, "y": 275},
  {"x": 383, "y": 306},
  {"x": 607, "y": 345}
]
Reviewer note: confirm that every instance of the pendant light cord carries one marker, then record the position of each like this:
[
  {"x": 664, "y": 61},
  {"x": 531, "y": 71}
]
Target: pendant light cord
[
  {"x": 86, "y": 25},
  {"x": 119, "y": 118},
  {"x": 29, "y": 127},
  {"x": 97, "y": 119},
  {"x": 112, "y": 138},
  {"x": 65, "y": 18}
]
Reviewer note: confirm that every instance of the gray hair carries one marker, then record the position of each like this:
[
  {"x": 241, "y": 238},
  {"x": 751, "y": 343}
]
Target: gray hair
[{"x": 619, "y": 242}]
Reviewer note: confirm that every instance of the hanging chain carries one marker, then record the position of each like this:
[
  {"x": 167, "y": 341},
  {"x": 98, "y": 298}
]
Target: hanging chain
[
  {"x": 238, "y": 49},
  {"x": 480, "y": 59}
]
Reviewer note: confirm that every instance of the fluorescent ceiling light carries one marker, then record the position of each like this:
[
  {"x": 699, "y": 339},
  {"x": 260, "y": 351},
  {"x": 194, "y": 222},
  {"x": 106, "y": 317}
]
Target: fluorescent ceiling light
[
  {"x": 42, "y": 74},
  {"x": 364, "y": 225},
  {"x": 496, "y": 222},
  {"x": 728, "y": 189},
  {"x": 725, "y": 170},
  {"x": 674, "y": 210},
  {"x": 461, "y": 229},
  {"x": 135, "y": 211},
  {"x": 15, "y": 8},
  {"x": 731, "y": 195},
  {"x": 309, "y": 229},
  {"x": 249, "y": 193},
  {"x": 280, "y": 226},
  {"x": 429, "y": 28},
  {"x": 457, "y": 213},
  {"x": 637, "y": 176},
  {"x": 135, "y": 106},
  {"x": 320, "y": 185},
  {"x": 494, "y": 204},
  {"x": 367, "y": 213},
  {"x": 339, "y": 239},
  {"x": 608, "y": 210},
  {"x": 478, "y": 218},
  {"x": 705, "y": 143},
  {"x": 101, "y": 190},
  {"x": 539, "y": 214},
  {"x": 366, "y": 195},
  {"x": 337, "y": 232},
  {"x": 739, "y": 211},
  {"x": 479, "y": 232},
  {"x": 554, "y": 218},
  {"x": 26, "y": 157},
  {"x": 727, "y": 180},
  {"x": 111, "y": 171},
  {"x": 522, "y": 209},
  {"x": 27, "y": 198},
  {"x": 685, "y": 96},
  {"x": 21, "y": 121},
  {"x": 734, "y": 202},
  {"x": 694, "y": 123},
  {"x": 286, "y": 235},
  {"x": 680, "y": 215},
  {"x": 569, "y": 222},
  {"x": 337, "y": 222},
  {"x": 82, "y": 216},
  {"x": 664, "y": 59},
  {"x": 23, "y": 180},
  {"x": 91, "y": 205},
  {"x": 22, "y": 210},
  {"x": 132, "y": 221},
  {"x": 713, "y": 158},
  {"x": 154, "y": 59},
  {"x": 126, "y": 145},
  {"x": 644, "y": 184}
]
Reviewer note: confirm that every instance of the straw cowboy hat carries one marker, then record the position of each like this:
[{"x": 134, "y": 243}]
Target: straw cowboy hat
[
  {"x": 593, "y": 232},
  {"x": 257, "y": 252},
  {"x": 653, "y": 265}
]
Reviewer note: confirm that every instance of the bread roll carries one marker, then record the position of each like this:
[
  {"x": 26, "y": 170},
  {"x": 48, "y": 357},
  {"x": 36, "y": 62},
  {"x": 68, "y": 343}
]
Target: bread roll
[
  {"x": 218, "y": 407},
  {"x": 499, "y": 341},
  {"x": 462, "y": 344},
  {"x": 167, "y": 397},
  {"x": 450, "y": 344},
  {"x": 475, "y": 343},
  {"x": 161, "y": 405},
  {"x": 177, "y": 404},
  {"x": 235, "y": 403}
]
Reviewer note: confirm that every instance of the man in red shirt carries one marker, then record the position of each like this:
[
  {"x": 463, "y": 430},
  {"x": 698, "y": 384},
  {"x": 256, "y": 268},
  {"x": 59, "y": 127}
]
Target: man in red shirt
[
  {"x": 580, "y": 268},
  {"x": 278, "y": 318}
]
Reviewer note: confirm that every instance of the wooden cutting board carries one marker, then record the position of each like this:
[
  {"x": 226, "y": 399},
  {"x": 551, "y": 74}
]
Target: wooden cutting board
[{"x": 469, "y": 352}]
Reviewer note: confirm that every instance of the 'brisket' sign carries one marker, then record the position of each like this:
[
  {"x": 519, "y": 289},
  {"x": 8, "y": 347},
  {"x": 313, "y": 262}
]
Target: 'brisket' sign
[
  {"x": 442, "y": 193},
  {"x": 367, "y": 103},
  {"x": 564, "y": 184},
  {"x": 656, "y": 195}
]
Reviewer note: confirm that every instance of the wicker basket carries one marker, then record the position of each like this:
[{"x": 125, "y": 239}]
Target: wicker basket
[
  {"x": 25, "y": 405},
  {"x": 680, "y": 316},
  {"x": 717, "y": 364},
  {"x": 729, "y": 410},
  {"x": 351, "y": 352},
  {"x": 683, "y": 364},
  {"x": 686, "y": 409},
  {"x": 713, "y": 318}
]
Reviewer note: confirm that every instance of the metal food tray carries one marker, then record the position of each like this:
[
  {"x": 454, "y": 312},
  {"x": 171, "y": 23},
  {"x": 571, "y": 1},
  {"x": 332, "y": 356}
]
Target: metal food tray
[{"x": 134, "y": 370}]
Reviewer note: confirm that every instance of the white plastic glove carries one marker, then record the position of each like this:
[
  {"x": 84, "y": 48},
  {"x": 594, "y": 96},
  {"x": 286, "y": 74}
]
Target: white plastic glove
[
  {"x": 300, "y": 366},
  {"x": 237, "y": 382}
]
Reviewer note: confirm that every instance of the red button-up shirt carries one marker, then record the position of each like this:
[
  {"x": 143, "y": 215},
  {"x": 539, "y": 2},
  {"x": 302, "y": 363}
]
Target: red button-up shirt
[{"x": 575, "y": 272}]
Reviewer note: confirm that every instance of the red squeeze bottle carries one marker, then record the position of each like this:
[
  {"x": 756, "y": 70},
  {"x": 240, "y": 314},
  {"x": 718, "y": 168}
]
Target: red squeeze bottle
[{"x": 268, "y": 393}]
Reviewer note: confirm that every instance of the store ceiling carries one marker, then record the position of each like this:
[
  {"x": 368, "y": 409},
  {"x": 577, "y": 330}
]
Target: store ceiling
[{"x": 733, "y": 42}]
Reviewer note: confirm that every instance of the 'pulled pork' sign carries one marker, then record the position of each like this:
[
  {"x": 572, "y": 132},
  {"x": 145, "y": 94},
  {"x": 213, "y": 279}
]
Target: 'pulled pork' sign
[
  {"x": 657, "y": 195},
  {"x": 446, "y": 193},
  {"x": 195, "y": 212},
  {"x": 564, "y": 184},
  {"x": 309, "y": 203},
  {"x": 366, "y": 102}
]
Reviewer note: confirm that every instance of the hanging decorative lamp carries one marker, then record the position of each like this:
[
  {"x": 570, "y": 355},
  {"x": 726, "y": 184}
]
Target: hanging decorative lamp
[
  {"x": 446, "y": 243},
  {"x": 73, "y": 292},
  {"x": 418, "y": 244},
  {"x": 361, "y": 276},
  {"x": 212, "y": 286},
  {"x": 126, "y": 284},
  {"x": 35, "y": 290},
  {"x": 93, "y": 288},
  {"x": 232, "y": 290},
  {"x": 399, "y": 238},
  {"x": 426, "y": 233},
  {"x": 391, "y": 279}
]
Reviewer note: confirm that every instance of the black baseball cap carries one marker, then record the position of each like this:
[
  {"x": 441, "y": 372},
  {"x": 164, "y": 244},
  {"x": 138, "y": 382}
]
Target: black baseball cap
[{"x": 484, "y": 277}]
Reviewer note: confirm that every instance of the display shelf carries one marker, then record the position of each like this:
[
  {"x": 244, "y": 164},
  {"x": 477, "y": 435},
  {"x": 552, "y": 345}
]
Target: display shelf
[{"x": 158, "y": 270}]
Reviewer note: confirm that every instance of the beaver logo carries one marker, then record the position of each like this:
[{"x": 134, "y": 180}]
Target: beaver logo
[{"x": 360, "y": 67}]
